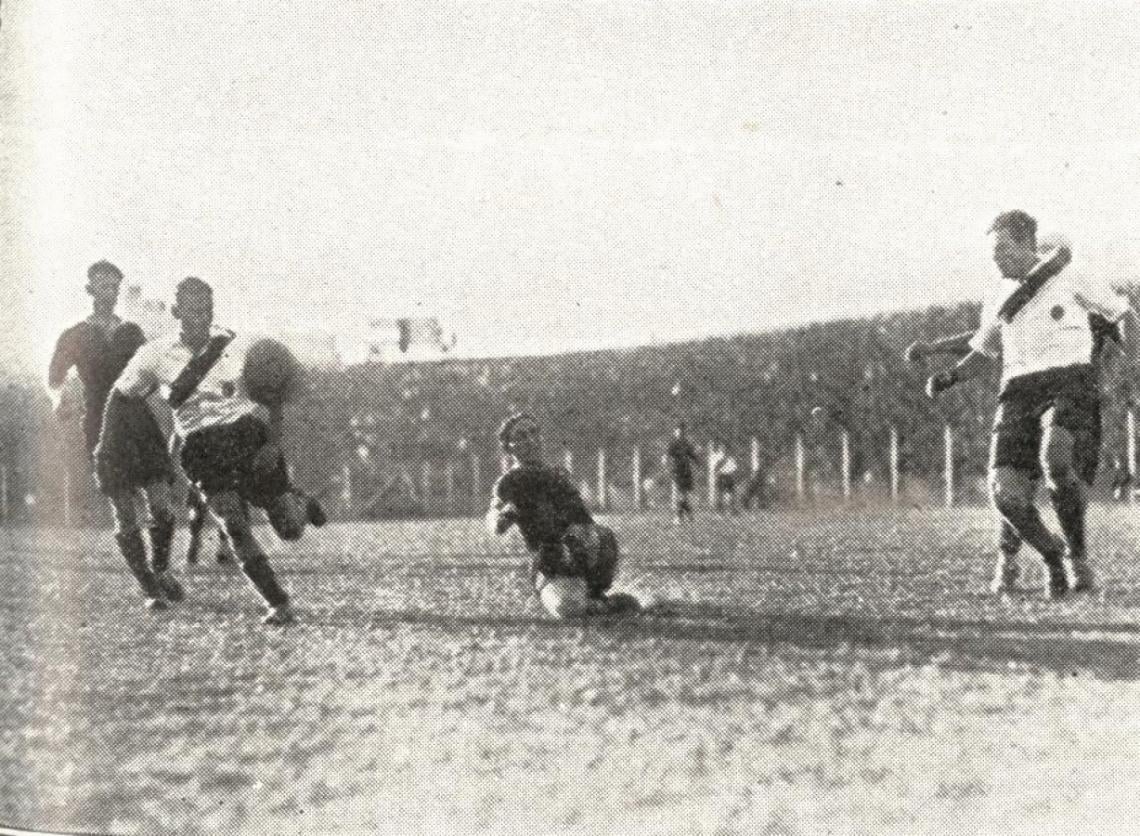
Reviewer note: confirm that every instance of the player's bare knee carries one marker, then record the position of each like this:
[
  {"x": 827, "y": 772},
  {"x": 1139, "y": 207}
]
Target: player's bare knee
[
  {"x": 1059, "y": 470},
  {"x": 1011, "y": 491}
]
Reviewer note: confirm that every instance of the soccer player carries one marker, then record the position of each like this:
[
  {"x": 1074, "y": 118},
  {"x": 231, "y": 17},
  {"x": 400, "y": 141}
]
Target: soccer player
[
  {"x": 682, "y": 456},
  {"x": 1049, "y": 402},
  {"x": 725, "y": 469},
  {"x": 99, "y": 348},
  {"x": 229, "y": 443},
  {"x": 574, "y": 560}
]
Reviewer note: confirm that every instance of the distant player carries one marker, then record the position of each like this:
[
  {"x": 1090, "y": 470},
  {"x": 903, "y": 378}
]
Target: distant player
[
  {"x": 682, "y": 455},
  {"x": 229, "y": 443},
  {"x": 574, "y": 560},
  {"x": 725, "y": 470},
  {"x": 99, "y": 348},
  {"x": 1048, "y": 419}
]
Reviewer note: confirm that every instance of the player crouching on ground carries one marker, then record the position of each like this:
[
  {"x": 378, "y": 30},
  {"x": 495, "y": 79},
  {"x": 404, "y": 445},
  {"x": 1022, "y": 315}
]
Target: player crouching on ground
[
  {"x": 574, "y": 559},
  {"x": 229, "y": 446}
]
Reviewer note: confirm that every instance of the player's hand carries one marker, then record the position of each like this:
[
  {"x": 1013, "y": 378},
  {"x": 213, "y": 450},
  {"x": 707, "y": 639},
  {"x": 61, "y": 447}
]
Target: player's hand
[
  {"x": 940, "y": 382},
  {"x": 501, "y": 517},
  {"x": 916, "y": 352}
]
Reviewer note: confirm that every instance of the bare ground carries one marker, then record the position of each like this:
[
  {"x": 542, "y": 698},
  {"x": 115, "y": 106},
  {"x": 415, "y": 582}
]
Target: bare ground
[{"x": 796, "y": 673}]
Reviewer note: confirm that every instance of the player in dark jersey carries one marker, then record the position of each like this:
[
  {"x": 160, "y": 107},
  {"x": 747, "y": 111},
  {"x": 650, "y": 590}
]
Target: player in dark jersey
[
  {"x": 98, "y": 348},
  {"x": 574, "y": 559},
  {"x": 682, "y": 456}
]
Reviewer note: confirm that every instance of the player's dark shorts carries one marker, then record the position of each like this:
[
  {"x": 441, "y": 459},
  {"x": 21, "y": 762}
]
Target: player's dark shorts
[
  {"x": 683, "y": 479},
  {"x": 222, "y": 458},
  {"x": 585, "y": 551},
  {"x": 1073, "y": 395},
  {"x": 131, "y": 452}
]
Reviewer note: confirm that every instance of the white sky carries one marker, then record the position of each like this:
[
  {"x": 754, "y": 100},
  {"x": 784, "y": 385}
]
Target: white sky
[{"x": 554, "y": 175}]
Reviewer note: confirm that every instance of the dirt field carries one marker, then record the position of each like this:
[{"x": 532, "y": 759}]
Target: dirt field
[{"x": 797, "y": 673}]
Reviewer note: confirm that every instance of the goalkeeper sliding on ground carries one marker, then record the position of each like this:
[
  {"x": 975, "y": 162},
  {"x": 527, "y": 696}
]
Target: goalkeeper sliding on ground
[{"x": 574, "y": 559}]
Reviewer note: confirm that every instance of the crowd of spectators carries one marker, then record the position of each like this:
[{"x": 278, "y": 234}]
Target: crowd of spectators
[{"x": 419, "y": 438}]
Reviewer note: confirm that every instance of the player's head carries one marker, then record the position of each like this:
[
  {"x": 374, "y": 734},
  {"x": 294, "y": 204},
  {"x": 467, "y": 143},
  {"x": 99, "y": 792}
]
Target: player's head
[
  {"x": 680, "y": 430},
  {"x": 103, "y": 280},
  {"x": 1015, "y": 243},
  {"x": 193, "y": 305},
  {"x": 521, "y": 436}
]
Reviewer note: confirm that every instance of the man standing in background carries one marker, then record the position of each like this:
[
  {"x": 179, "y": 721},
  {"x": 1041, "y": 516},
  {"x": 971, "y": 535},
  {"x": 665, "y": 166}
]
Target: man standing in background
[{"x": 682, "y": 456}]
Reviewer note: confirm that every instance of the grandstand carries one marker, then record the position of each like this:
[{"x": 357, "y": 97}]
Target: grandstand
[{"x": 384, "y": 439}]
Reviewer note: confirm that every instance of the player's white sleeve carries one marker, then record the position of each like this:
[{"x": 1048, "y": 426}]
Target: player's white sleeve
[
  {"x": 140, "y": 378},
  {"x": 1101, "y": 298},
  {"x": 987, "y": 339}
]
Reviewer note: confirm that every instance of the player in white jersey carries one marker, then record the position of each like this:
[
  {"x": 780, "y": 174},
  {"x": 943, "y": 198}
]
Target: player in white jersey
[
  {"x": 229, "y": 443},
  {"x": 1108, "y": 345},
  {"x": 1048, "y": 418}
]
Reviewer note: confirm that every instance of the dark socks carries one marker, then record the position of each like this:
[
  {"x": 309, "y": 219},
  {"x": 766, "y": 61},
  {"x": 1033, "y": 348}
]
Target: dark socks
[
  {"x": 134, "y": 552},
  {"x": 161, "y": 538},
  {"x": 256, "y": 567},
  {"x": 1069, "y": 503}
]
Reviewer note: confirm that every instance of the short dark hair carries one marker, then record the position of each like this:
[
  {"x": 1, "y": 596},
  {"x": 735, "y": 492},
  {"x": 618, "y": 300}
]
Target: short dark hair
[
  {"x": 192, "y": 284},
  {"x": 1021, "y": 225},
  {"x": 508, "y": 426},
  {"x": 103, "y": 266}
]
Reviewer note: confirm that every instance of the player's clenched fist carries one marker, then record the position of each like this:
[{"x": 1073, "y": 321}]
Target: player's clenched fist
[
  {"x": 915, "y": 352},
  {"x": 940, "y": 382},
  {"x": 502, "y": 516}
]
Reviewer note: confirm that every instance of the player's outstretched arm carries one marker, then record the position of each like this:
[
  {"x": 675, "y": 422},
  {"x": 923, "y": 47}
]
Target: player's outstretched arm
[
  {"x": 957, "y": 345},
  {"x": 972, "y": 365}
]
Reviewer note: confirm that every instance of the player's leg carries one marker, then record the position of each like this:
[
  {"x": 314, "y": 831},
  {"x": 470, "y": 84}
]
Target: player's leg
[
  {"x": 128, "y": 536},
  {"x": 233, "y": 512},
  {"x": 198, "y": 514},
  {"x": 161, "y": 504},
  {"x": 289, "y": 509},
  {"x": 1006, "y": 570},
  {"x": 1015, "y": 470},
  {"x": 1070, "y": 502},
  {"x": 592, "y": 553},
  {"x": 1014, "y": 491},
  {"x": 225, "y": 550}
]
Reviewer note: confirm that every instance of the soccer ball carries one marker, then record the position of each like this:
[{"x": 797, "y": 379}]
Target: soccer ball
[{"x": 271, "y": 373}]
